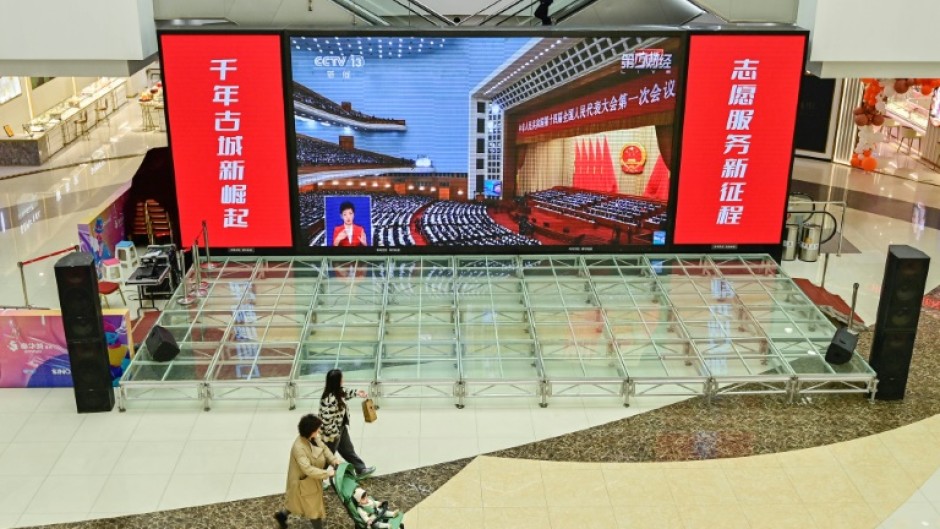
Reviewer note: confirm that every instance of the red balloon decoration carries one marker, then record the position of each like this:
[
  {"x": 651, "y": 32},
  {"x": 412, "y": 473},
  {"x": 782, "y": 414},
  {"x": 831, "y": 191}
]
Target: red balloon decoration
[{"x": 867, "y": 113}]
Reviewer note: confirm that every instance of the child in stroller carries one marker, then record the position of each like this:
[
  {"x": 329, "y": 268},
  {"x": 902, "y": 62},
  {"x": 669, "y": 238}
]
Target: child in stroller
[
  {"x": 366, "y": 512},
  {"x": 371, "y": 511}
]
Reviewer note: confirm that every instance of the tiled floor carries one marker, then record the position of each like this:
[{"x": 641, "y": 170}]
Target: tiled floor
[
  {"x": 58, "y": 466},
  {"x": 900, "y": 161},
  {"x": 40, "y": 212},
  {"x": 186, "y": 457},
  {"x": 846, "y": 485},
  {"x": 870, "y": 232}
]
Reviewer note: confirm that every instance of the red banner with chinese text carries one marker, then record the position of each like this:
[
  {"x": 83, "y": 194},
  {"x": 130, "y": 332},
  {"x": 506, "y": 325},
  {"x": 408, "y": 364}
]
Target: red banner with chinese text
[
  {"x": 225, "y": 104},
  {"x": 646, "y": 95},
  {"x": 737, "y": 140}
]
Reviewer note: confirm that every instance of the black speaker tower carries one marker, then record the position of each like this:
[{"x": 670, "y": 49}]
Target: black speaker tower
[
  {"x": 77, "y": 280},
  {"x": 902, "y": 292}
]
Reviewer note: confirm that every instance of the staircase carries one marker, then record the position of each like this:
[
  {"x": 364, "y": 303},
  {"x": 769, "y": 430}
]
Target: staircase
[{"x": 152, "y": 222}]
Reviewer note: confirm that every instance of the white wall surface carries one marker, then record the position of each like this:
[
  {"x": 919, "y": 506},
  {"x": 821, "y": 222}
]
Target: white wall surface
[
  {"x": 753, "y": 10},
  {"x": 871, "y": 38},
  {"x": 52, "y": 30}
]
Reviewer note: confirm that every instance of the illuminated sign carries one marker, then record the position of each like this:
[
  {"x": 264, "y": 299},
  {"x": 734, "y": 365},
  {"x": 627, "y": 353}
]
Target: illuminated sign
[
  {"x": 225, "y": 107},
  {"x": 651, "y": 93},
  {"x": 737, "y": 140},
  {"x": 339, "y": 61},
  {"x": 646, "y": 59}
]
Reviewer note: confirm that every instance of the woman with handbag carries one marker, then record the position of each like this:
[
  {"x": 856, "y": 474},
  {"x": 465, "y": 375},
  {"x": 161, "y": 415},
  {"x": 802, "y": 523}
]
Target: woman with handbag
[
  {"x": 335, "y": 416},
  {"x": 311, "y": 461}
]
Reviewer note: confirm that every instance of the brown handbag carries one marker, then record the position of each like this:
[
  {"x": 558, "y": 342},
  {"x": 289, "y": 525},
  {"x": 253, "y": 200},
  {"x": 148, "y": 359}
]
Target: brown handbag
[{"x": 368, "y": 410}]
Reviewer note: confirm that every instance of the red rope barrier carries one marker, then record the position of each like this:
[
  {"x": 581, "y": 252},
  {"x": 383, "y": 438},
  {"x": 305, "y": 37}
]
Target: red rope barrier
[{"x": 48, "y": 255}]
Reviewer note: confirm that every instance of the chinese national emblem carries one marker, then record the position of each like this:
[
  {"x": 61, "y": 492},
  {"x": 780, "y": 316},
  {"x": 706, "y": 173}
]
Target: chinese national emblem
[{"x": 633, "y": 158}]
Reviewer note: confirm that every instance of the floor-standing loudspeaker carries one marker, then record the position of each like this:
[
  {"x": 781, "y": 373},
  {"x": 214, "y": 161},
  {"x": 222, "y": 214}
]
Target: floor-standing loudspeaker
[
  {"x": 77, "y": 280},
  {"x": 161, "y": 344},
  {"x": 902, "y": 292}
]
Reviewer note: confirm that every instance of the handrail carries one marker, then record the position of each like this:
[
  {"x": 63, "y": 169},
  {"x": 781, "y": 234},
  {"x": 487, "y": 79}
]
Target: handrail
[
  {"x": 503, "y": 10},
  {"x": 428, "y": 10},
  {"x": 839, "y": 224},
  {"x": 560, "y": 14},
  {"x": 468, "y": 17},
  {"x": 571, "y": 9},
  {"x": 415, "y": 12},
  {"x": 517, "y": 12},
  {"x": 362, "y": 12},
  {"x": 147, "y": 222}
]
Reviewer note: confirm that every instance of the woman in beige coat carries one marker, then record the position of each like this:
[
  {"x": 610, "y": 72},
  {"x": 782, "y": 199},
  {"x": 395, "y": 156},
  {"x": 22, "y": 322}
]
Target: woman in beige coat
[{"x": 310, "y": 463}]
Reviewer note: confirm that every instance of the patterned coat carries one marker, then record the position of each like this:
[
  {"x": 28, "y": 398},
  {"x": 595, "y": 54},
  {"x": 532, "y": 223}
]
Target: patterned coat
[
  {"x": 333, "y": 416},
  {"x": 305, "y": 475}
]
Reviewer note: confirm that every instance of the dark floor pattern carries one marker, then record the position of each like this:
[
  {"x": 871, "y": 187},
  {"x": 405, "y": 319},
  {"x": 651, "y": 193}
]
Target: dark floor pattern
[{"x": 732, "y": 426}]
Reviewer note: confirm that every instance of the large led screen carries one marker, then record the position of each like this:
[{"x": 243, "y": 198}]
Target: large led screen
[
  {"x": 482, "y": 142},
  {"x": 737, "y": 138},
  {"x": 225, "y": 106}
]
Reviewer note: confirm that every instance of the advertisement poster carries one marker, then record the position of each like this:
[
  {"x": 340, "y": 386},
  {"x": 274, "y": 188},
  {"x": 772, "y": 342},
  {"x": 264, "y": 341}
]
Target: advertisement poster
[
  {"x": 33, "y": 352},
  {"x": 103, "y": 232}
]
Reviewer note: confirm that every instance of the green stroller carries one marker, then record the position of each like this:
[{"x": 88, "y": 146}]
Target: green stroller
[{"x": 344, "y": 483}]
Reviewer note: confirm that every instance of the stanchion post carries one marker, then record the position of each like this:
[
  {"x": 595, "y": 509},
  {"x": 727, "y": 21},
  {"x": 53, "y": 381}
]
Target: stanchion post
[
  {"x": 208, "y": 265},
  {"x": 825, "y": 269},
  {"x": 200, "y": 290},
  {"x": 23, "y": 282},
  {"x": 187, "y": 298}
]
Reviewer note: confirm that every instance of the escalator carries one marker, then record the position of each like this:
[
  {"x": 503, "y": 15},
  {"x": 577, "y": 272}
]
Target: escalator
[{"x": 516, "y": 13}]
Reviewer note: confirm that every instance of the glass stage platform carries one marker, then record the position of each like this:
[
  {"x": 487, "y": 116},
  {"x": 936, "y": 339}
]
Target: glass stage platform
[{"x": 459, "y": 327}]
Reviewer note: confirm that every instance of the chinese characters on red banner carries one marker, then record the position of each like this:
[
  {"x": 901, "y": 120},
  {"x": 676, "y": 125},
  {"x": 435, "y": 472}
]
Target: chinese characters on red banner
[
  {"x": 227, "y": 126},
  {"x": 737, "y": 141},
  {"x": 652, "y": 93},
  {"x": 225, "y": 106}
]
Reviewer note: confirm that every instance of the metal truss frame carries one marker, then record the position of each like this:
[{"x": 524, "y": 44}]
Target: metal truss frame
[{"x": 472, "y": 327}]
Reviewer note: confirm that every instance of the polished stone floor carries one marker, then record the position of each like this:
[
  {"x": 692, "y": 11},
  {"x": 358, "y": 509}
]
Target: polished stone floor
[
  {"x": 750, "y": 462},
  {"x": 177, "y": 466}
]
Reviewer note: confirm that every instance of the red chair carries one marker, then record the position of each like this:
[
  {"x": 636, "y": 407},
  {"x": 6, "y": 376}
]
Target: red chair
[{"x": 106, "y": 288}]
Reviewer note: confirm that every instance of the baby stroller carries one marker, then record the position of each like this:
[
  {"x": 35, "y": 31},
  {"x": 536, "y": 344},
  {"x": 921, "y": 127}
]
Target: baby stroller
[{"x": 344, "y": 483}]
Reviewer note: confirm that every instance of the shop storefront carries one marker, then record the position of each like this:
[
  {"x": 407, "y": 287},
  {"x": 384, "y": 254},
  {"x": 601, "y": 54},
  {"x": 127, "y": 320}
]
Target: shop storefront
[{"x": 39, "y": 116}]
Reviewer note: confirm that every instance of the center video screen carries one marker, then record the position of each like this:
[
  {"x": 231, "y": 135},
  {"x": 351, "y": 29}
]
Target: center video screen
[{"x": 481, "y": 143}]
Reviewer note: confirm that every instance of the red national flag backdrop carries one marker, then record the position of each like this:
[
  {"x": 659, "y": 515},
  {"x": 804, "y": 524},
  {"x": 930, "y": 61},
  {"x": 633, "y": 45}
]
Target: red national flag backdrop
[
  {"x": 610, "y": 177},
  {"x": 652, "y": 93},
  {"x": 576, "y": 179},
  {"x": 190, "y": 90},
  {"x": 711, "y": 61}
]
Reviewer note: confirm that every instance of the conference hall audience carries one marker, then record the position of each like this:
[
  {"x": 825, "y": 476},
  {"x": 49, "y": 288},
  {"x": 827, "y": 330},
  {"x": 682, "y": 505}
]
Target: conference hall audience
[
  {"x": 313, "y": 99},
  {"x": 311, "y": 151}
]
